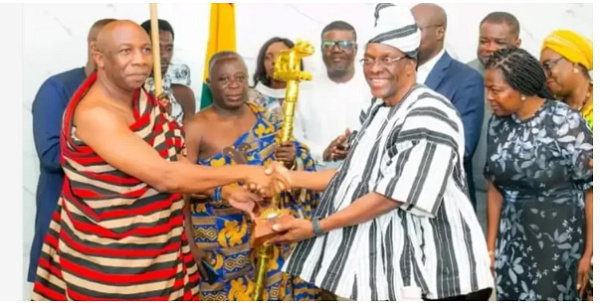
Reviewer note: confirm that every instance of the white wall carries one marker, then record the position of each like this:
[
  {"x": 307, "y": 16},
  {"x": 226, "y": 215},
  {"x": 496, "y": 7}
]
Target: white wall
[{"x": 54, "y": 40}]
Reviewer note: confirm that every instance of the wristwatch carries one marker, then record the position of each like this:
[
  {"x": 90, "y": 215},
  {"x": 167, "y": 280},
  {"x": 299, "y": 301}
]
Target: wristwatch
[
  {"x": 217, "y": 194},
  {"x": 316, "y": 227}
]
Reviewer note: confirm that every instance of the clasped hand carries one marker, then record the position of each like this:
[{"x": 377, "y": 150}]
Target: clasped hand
[
  {"x": 266, "y": 183},
  {"x": 259, "y": 184}
]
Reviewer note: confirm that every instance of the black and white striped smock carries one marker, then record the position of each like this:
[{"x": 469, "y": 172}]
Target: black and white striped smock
[{"x": 409, "y": 153}]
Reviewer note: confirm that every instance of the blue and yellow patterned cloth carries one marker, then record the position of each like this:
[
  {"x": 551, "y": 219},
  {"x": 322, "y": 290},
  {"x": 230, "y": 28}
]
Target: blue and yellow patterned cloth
[{"x": 223, "y": 232}]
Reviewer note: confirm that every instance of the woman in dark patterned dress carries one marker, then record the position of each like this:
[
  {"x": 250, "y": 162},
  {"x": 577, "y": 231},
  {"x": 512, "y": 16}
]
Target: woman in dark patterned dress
[
  {"x": 567, "y": 58},
  {"x": 540, "y": 197}
]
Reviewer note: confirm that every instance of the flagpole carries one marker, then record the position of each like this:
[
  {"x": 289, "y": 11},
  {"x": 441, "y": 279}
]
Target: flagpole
[{"x": 158, "y": 89}]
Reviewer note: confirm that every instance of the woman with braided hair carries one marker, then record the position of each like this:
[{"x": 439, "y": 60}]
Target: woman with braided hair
[{"x": 540, "y": 184}]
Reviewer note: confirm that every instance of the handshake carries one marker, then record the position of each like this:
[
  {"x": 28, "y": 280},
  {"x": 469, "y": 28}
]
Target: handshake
[
  {"x": 260, "y": 183},
  {"x": 264, "y": 183}
]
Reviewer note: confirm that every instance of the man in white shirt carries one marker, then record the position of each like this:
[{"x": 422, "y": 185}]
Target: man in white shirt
[
  {"x": 462, "y": 85},
  {"x": 332, "y": 102},
  {"x": 427, "y": 65},
  {"x": 176, "y": 79}
]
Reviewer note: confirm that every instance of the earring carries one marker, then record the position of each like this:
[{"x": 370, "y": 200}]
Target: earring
[
  {"x": 523, "y": 98},
  {"x": 576, "y": 71}
]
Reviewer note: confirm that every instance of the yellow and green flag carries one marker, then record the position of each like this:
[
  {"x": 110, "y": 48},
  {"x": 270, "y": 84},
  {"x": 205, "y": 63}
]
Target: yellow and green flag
[{"x": 221, "y": 37}]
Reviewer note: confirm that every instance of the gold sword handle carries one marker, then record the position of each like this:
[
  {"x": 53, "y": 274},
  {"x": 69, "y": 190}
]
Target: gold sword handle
[{"x": 287, "y": 68}]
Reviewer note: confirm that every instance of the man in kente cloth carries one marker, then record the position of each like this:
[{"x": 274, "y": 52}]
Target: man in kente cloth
[
  {"x": 232, "y": 132},
  {"x": 117, "y": 232}
]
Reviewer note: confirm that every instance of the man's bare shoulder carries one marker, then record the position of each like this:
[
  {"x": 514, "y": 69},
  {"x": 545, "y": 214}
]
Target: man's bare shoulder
[
  {"x": 202, "y": 119},
  {"x": 95, "y": 113}
]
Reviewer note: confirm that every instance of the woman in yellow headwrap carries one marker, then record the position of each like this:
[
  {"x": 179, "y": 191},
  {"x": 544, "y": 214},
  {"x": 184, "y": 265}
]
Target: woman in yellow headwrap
[{"x": 567, "y": 58}]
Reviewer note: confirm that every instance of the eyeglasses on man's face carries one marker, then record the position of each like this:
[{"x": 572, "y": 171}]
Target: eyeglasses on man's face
[
  {"x": 385, "y": 61},
  {"x": 344, "y": 44}
]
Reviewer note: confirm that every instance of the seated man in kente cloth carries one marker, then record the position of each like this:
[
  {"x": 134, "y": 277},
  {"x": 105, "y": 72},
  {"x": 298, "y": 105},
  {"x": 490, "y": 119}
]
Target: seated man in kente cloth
[{"x": 231, "y": 132}]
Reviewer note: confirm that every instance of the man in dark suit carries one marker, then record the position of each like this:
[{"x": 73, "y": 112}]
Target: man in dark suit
[
  {"x": 48, "y": 107},
  {"x": 462, "y": 85}
]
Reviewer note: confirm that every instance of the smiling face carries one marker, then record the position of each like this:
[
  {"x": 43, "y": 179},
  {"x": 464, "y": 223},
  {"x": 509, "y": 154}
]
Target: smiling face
[
  {"x": 339, "y": 57},
  {"x": 229, "y": 82},
  {"x": 386, "y": 69}
]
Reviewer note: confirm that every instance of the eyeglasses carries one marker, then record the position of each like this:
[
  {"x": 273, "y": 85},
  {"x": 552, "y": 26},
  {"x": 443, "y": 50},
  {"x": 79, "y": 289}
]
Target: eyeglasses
[
  {"x": 385, "y": 61},
  {"x": 550, "y": 64},
  {"x": 345, "y": 44}
]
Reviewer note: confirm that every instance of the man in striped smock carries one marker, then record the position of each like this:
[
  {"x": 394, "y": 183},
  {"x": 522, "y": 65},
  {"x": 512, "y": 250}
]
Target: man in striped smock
[{"x": 395, "y": 221}]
